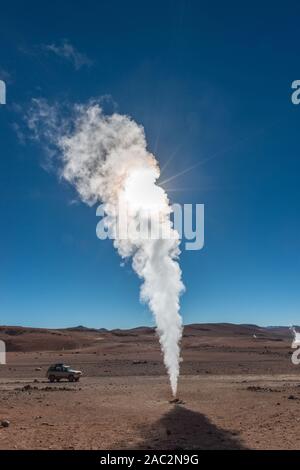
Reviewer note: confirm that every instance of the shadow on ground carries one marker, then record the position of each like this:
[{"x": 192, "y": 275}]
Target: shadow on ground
[{"x": 182, "y": 428}]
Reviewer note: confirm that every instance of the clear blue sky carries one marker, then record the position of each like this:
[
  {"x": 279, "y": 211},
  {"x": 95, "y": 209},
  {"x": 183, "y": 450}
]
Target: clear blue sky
[{"x": 205, "y": 79}]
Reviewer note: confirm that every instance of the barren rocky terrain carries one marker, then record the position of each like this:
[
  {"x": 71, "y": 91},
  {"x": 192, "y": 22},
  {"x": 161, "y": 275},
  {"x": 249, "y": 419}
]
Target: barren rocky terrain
[{"x": 238, "y": 390}]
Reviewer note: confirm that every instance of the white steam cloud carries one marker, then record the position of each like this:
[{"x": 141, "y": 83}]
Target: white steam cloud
[
  {"x": 296, "y": 334},
  {"x": 106, "y": 158}
]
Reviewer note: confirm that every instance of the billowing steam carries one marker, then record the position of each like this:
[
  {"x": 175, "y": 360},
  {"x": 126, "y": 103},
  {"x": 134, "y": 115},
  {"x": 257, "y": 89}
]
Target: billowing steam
[
  {"x": 296, "y": 334},
  {"x": 106, "y": 158}
]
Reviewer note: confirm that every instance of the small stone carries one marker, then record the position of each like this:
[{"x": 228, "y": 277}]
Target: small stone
[
  {"x": 5, "y": 423},
  {"x": 27, "y": 388},
  {"x": 177, "y": 401}
]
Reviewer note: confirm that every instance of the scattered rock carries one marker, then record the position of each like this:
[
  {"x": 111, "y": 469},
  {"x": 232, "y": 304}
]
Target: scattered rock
[
  {"x": 5, "y": 423},
  {"x": 38, "y": 369},
  {"x": 49, "y": 388},
  {"x": 292, "y": 397},
  {"x": 256, "y": 388},
  {"x": 26, "y": 388},
  {"x": 177, "y": 401}
]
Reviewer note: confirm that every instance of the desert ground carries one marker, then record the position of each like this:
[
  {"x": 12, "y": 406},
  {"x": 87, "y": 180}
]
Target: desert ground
[{"x": 238, "y": 390}]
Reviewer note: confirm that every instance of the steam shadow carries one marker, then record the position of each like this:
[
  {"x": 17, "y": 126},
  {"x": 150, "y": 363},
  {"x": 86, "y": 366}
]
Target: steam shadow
[{"x": 182, "y": 428}]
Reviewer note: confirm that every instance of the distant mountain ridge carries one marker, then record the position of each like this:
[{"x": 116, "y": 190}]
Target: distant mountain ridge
[{"x": 18, "y": 338}]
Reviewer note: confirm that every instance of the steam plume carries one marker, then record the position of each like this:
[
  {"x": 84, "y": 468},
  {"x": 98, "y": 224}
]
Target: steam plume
[
  {"x": 106, "y": 158},
  {"x": 296, "y": 334}
]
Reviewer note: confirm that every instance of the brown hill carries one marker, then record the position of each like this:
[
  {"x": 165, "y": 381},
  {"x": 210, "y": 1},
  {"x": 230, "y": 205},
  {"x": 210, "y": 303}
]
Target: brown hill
[{"x": 19, "y": 338}]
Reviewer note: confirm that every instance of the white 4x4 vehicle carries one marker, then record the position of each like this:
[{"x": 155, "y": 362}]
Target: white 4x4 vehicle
[{"x": 61, "y": 371}]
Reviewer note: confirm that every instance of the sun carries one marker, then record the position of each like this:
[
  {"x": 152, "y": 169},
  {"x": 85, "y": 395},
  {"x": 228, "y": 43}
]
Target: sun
[{"x": 141, "y": 192}]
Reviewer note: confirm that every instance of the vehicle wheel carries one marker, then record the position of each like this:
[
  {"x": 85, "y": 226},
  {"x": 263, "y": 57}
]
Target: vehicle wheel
[
  {"x": 51, "y": 378},
  {"x": 77, "y": 379},
  {"x": 71, "y": 378}
]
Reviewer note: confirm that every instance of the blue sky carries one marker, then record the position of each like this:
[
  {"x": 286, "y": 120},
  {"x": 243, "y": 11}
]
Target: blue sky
[{"x": 211, "y": 84}]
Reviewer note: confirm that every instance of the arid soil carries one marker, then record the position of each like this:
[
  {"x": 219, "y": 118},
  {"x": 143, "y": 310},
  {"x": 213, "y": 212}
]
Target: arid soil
[{"x": 238, "y": 390}]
